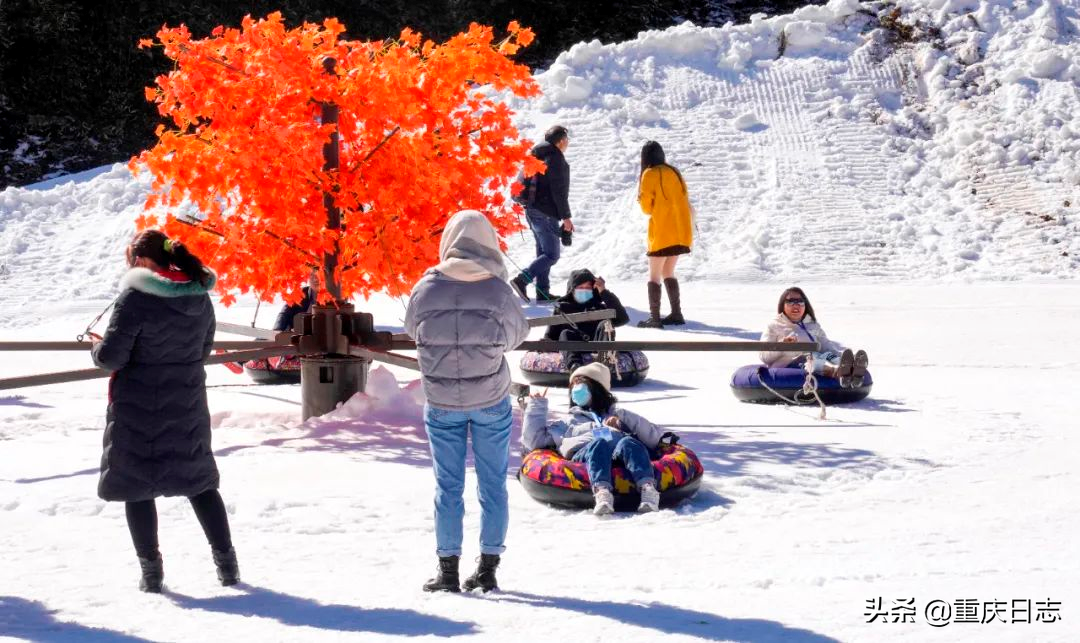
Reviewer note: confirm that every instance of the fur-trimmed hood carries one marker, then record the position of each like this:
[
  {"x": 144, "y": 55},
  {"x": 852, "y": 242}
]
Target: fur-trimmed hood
[{"x": 157, "y": 284}]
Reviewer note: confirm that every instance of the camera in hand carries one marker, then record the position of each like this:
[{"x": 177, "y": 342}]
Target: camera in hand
[{"x": 567, "y": 236}]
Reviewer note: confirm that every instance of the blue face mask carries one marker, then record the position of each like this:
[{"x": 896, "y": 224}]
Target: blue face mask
[
  {"x": 580, "y": 395},
  {"x": 582, "y": 295}
]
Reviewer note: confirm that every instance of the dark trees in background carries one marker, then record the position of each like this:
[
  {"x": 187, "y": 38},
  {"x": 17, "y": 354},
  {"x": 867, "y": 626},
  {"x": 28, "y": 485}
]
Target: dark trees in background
[{"x": 72, "y": 79}]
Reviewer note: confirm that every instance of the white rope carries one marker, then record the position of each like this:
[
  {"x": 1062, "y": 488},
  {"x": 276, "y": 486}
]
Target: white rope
[
  {"x": 809, "y": 390},
  {"x": 89, "y": 329},
  {"x": 605, "y": 332}
]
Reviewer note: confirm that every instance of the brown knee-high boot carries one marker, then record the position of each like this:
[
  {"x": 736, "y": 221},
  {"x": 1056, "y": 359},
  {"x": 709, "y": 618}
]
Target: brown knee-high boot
[
  {"x": 671, "y": 285},
  {"x": 654, "y": 308}
]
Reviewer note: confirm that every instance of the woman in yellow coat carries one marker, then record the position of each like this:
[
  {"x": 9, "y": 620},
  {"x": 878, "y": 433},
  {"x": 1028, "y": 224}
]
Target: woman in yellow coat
[{"x": 663, "y": 198}]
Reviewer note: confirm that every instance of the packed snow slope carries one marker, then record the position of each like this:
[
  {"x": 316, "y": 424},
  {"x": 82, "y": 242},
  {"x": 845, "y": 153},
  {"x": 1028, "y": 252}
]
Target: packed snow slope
[{"x": 831, "y": 143}]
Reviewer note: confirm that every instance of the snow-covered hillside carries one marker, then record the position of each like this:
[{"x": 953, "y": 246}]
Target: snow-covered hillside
[
  {"x": 863, "y": 163},
  {"x": 940, "y": 144}
]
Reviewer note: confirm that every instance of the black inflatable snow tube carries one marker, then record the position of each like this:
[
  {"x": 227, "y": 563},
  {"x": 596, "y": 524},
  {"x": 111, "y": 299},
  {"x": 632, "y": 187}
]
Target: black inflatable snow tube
[{"x": 287, "y": 372}]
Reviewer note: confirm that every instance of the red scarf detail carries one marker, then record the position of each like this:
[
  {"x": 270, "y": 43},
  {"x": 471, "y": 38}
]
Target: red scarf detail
[{"x": 173, "y": 275}]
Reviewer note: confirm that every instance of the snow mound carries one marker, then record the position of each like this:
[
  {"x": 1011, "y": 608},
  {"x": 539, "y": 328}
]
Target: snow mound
[{"x": 384, "y": 400}]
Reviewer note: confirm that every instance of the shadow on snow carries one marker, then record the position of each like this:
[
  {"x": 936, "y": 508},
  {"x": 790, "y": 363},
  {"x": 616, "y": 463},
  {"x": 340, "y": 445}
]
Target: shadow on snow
[
  {"x": 696, "y": 327},
  {"x": 304, "y": 612},
  {"x": 34, "y": 621},
  {"x": 669, "y": 619},
  {"x": 20, "y": 400}
]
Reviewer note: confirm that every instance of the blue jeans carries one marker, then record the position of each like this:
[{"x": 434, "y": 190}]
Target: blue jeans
[
  {"x": 820, "y": 359},
  {"x": 545, "y": 230},
  {"x": 447, "y": 432},
  {"x": 599, "y": 454}
]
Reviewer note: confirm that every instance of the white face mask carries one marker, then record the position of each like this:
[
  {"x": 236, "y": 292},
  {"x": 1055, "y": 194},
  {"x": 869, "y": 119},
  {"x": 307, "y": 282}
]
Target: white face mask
[{"x": 582, "y": 295}]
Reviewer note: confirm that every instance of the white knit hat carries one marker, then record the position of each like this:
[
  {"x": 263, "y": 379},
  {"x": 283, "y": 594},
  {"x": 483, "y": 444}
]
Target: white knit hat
[{"x": 596, "y": 372}]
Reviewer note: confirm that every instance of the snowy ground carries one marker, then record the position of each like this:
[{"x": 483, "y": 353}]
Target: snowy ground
[
  {"x": 924, "y": 195},
  {"x": 955, "y": 480}
]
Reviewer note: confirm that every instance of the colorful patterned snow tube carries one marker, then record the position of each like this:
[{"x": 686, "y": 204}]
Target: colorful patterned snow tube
[
  {"x": 551, "y": 478},
  {"x": 748, "y": 386},
  {"x": 275, "y": 370},
  {"x": 546, "y": 368}
]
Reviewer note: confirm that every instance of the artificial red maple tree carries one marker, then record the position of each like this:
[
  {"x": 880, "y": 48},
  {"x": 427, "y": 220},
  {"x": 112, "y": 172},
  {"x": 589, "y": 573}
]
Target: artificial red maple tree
[{"x": 423, "y": 134}]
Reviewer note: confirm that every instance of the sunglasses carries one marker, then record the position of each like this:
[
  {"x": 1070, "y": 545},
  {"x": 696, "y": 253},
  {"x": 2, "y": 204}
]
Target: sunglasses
[{"x": 795, "y": 302}]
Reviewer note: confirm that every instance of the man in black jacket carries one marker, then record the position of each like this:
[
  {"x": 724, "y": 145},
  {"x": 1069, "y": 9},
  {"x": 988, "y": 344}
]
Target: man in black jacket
[
  {"x": 584, "y": 292},
  {"x": 546, "y": 198}
]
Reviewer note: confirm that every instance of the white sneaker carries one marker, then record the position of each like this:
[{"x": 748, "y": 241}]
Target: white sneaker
[
  {"x": 650, "y": 498},
  {"x": 605, "y": 502}
]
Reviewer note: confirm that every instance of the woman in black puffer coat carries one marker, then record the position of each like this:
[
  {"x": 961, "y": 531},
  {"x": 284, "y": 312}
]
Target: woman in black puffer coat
[{"x": 157, "y": 434}]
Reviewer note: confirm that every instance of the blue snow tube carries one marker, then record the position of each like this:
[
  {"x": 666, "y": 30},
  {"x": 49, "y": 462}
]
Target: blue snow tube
[{"x": 748, "y": 385}]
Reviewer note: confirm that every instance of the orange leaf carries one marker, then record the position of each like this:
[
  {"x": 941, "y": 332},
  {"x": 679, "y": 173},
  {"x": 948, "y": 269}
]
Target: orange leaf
[{"x": 244, "y": 144}]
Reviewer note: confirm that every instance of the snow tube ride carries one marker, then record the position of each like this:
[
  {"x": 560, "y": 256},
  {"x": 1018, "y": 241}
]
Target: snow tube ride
[
  {"x": 275, "y": 370},
  {"x": 551, "y": 478},
  {"x": 747, "y": 385},
  {"x": 547, "y": 369}
]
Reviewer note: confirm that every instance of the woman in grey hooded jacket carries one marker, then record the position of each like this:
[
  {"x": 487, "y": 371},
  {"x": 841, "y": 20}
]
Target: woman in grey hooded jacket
[{"x": 464, "y": 318}]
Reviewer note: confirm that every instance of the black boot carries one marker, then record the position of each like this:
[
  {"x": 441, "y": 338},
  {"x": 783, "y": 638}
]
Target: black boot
[
  {"x": 520, "y": 285},
  {"x": 152, "y": 574},
  {"x": 671, "y": 285},
  {"x": 447, "y": 578},
  {"x": 484, "y": 576},
  {"x": 654, "y": 308},
  {"x": 228, "y": 572}
]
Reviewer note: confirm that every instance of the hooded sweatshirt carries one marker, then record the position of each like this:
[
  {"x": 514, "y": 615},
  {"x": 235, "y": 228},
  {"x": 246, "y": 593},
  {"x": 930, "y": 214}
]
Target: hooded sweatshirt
[
  {"x": 600, "y": 301},
  {"x": 464, "y": 317},
  {"x": 469, "y": 249}
]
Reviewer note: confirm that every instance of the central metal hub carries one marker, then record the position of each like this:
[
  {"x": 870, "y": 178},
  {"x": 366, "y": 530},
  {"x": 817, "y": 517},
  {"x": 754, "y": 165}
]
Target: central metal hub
[{"x": 330, "y": 330}]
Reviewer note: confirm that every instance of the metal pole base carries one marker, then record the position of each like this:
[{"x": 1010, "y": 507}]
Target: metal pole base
[{"x": 326, "y": 382}]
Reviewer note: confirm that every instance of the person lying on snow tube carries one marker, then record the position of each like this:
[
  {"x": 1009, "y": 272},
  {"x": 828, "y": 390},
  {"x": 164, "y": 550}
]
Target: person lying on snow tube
[
  {"x": 584, "y": 292},
  {"x": 796, "y": 322},
  {"x": 285, "y": 368},
  {"x": 288, "y": 312},
  {"x": 597, "y": 432}
]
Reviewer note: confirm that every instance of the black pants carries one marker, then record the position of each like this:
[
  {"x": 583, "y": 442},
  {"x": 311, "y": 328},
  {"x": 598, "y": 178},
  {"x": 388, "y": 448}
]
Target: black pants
[
  {"x": 572, "y": 357},
  {"x": 209, "y": 509}
]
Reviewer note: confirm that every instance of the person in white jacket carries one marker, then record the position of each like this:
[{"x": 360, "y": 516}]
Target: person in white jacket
[
  {"x": 796, "y": 322},
  {"x": 597, "y": 432}
]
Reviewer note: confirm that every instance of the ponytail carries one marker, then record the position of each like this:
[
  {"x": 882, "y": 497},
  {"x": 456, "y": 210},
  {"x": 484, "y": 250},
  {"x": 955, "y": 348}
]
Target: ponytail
[
  {"x": 166, "y": 252},
  {"x": 188, "y": 263}
]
